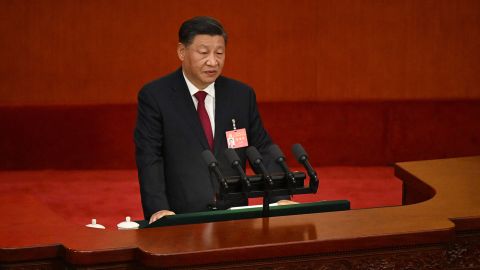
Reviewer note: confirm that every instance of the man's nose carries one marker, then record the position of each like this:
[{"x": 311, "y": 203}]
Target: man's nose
[{"x": 211, "y": 60}]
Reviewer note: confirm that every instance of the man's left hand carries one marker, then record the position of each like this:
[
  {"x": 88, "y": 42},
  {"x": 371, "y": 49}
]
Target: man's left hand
[{"x": 286, "y": 202}]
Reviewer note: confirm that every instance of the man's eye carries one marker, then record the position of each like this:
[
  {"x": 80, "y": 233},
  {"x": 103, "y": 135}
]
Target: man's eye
[
  {"x": 219, "y": 52},
  {"x": 203, "y": 52}
]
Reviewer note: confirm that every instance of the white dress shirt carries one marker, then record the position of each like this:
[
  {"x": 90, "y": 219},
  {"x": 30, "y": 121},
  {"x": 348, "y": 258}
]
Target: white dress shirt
[{"x": 209, "y": 100}]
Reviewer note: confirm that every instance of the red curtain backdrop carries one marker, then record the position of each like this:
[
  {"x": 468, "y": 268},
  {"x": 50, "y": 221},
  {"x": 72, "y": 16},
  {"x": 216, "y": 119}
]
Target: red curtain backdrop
[{"x": 102, "y": 51}]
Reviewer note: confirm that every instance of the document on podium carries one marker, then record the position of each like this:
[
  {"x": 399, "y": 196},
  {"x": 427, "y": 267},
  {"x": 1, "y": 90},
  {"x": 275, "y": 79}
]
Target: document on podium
[{"x": 250, "y": 206}]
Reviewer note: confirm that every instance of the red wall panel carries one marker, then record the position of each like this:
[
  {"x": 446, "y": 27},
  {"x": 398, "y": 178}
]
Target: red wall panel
[{"x": 103, "y": 51}]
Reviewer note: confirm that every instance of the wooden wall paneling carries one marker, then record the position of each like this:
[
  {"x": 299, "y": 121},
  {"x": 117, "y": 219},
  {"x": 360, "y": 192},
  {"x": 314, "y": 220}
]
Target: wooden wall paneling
[{"x": 97, "y": 52}]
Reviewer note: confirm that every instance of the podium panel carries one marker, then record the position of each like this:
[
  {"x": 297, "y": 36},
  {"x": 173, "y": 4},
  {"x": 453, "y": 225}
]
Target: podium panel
[{"x": 250, "y": 212}]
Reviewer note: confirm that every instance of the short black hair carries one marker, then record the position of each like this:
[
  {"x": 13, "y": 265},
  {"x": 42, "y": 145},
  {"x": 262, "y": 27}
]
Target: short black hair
[{"x": 200, "y": 25}]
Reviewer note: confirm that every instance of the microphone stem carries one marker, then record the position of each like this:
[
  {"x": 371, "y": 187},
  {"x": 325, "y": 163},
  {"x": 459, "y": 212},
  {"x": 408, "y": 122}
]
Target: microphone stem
[
  {"x": 267, "y": 177},
  {"x": 311, "y": 171},
  {"x": 288, "y": 173},
  {"x": 243, "y": 176},
  {"x": 219, "y": 175}
]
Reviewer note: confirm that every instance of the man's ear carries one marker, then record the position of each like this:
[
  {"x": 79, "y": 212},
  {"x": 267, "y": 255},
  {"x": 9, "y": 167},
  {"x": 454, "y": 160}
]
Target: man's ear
[{"x": 181, "y": 51}]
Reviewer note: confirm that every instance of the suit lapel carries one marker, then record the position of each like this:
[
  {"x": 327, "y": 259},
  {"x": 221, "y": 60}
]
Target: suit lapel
[
  {"x": 186, "y": 109},
  {"x": 222, "y": 121}
]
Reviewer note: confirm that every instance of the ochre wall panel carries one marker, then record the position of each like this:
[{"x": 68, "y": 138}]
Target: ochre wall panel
[
  {"x": 103, "y": 51},
  {"x": 398, "y": 50}
]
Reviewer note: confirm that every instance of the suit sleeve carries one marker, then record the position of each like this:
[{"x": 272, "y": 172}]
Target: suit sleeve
[{"x": 148, "y": 138}]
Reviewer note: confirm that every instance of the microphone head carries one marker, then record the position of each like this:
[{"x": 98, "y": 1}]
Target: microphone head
[
  {"x": 253, "y": 155},
  {"x": 299, "y": 153},
  {"x": 276, "y": 152},
  {"x": 209, "y": 158},
  {"x": 232, "y": 156}
]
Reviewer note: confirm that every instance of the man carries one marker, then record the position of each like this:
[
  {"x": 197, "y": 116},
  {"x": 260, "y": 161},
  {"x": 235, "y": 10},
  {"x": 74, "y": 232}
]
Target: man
[{"x": 175, "y": 124}]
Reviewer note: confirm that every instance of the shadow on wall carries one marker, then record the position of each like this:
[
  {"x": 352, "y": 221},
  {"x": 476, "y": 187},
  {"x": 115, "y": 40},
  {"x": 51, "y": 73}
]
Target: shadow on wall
[{"x": 333, "y": 133}]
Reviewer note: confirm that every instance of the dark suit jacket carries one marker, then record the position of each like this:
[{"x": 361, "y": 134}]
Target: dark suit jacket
[{"x": 169, "y": 141}]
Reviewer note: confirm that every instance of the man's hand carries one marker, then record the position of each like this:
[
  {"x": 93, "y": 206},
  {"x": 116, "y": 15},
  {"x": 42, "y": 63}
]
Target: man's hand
[
  {"x": 286, "y": 202},
  {"x": 158, "y": 215}
]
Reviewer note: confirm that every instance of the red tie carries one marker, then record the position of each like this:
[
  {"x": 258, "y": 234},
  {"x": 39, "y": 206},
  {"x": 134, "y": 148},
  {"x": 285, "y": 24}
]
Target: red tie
[{"x": 204, "y": 119}]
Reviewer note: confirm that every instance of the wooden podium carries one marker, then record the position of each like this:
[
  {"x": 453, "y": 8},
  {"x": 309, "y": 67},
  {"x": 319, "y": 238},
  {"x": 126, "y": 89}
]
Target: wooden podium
[{"x": 437, "y": 228}]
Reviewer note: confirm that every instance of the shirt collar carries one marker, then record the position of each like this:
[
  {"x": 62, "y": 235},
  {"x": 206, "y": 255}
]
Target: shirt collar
[{"x": 210, "y": 89}]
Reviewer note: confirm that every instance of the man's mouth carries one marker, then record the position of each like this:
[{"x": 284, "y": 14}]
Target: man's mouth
[{"x": 211, "y": 72}]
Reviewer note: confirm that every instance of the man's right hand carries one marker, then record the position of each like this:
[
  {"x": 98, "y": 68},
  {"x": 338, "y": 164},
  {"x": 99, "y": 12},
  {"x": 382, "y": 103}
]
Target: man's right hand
[{"x": 158, "y": 215}]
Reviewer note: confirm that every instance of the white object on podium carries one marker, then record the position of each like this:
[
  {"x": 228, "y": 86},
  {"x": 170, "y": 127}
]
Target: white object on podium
[
  {"x": 95, "y": 225},
  {"x": 128, "y": 225}
]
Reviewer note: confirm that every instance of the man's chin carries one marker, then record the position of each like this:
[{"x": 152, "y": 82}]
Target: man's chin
[{"x": 210, "y": 79}]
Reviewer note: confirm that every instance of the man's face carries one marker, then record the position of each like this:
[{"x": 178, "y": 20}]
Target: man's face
[{"x": 203, "y": 59}]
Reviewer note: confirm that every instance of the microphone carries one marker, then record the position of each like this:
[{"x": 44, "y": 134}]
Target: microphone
[
  {"x": 234, "y": 160},
  {"x": 257, "y": 161},
  {"x": 302, "y": 157},
  {"x": 279, "y": 157},
  {"x": 212, "y": 164}
]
